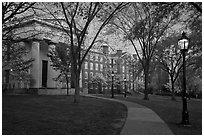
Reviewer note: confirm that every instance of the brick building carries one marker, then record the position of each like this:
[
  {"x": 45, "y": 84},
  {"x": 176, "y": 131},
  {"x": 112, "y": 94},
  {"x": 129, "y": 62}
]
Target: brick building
[
  {"x": 104, "y": 64},
  {"x": 43, "y": 74}
]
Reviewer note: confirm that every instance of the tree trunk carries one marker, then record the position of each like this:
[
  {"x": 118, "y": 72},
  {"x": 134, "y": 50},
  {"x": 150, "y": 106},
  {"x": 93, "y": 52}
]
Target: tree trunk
[
  {"x": 7, "y": 80},
  {"x": 146, "y": 73},
  {"x": 67, "y": 82},
  {"x": 8, "y": 53},
  {"x": 76, "y": 84},
  {"x": 172, "y": 90}
]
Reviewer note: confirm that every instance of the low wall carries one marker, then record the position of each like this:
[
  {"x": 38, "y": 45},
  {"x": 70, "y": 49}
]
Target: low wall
[
  {"x": 44, "y": 91},
  {"x": 52, "y": 91}
]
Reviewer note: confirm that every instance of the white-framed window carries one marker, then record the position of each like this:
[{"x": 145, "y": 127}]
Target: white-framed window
[
  {"x": 110, "y": 61},
  {"x": 85, "y": 84},
  {"x": 86, "y": 75},
  {"x": 101, "y": 59},
  {"x": 123, "y": 68},
  {"x": 101, "y": 67},
  {"x": 96, "y": 66},
  {"x": 131, "y": 85},
  {"x": 86, "y": 65},
  {"x": 96, "y": 58},
  {"x": 91, "y": 57},
  {"x": 91, "y": 86},
  {"x": 91, "y": 66},
  {"x": 91, "y": 74}
]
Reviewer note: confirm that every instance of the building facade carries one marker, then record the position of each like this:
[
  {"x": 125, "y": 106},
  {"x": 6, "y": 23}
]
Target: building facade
[{"x": 101, "y": 63}]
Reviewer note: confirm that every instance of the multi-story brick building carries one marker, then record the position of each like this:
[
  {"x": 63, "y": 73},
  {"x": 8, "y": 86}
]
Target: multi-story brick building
[
  {"x": 104, "y": 64},
  {"x": 43, "y": 74}
]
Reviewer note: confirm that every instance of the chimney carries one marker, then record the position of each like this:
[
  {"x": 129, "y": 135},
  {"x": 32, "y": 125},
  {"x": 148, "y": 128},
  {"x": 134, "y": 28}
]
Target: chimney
[
  {"x": 105, "y": 49},
  {"x": 119, "y": 53}
]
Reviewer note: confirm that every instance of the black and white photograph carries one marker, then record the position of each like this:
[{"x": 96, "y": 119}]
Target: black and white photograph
[{"x": 101, "y": 68}]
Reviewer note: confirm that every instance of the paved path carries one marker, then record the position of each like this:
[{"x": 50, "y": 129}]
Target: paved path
[{"x": 141, "y": 120}]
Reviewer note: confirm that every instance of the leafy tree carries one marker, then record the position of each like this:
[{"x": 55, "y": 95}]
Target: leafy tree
[
  {"x": 146, "y": 24},
  {"x": 99, "y": 80},
  {"x": 13, "y": 51},
  {"x": 60, "y": 58},
  {"x": 77, "y": 18},
  {"x": 168, "y": 55},
  {"x": 169, "y": 58},
  {"x": 197, "y": 6},
  {"x": 194, "y": 69}
]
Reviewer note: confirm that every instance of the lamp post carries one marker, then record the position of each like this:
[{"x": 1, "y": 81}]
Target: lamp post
[
  {"x": 112, "y": 75},
  {"x": 183, "y": 43},
  {"x": 125, "y": 80}
]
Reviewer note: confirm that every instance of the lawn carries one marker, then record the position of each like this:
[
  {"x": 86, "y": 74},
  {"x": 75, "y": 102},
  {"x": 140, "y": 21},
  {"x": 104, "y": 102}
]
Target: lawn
[
  {"x": 58, "y": 115},
  {"x": 171, "y": 112}
]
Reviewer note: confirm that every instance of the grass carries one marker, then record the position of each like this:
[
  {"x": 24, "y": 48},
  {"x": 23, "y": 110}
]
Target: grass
[
  {"x": 171, "y": 112},
  {"x": 56, "y": 115}
]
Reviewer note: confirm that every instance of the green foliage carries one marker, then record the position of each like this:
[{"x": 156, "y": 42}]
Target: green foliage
[
  {"x": 14, "y": 59},
  {"x": 60, "y": 59},
  {"x": 99, "y": 78}
]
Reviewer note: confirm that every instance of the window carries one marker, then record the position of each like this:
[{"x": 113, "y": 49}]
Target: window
[
  {"x": 101, "y": 67},
  {"x": 91, "y": 57},
  {"x": 86, "y": 65},
  {"x": 91, "y": 66},
  {"x": 126, "y": 69},
  {"x": 96, "y": 58},
  {"x": 110, "y": 61},
  {"x": 91, "y": 86},
  {"x": 85, "y": 85},
  {"x": 86, "y": 75},
  {"x": 96, "y": 66},
  {"x": 114, "y": 61},
  {"x": 91, "y": 74},
  {"x": 99, "y": 58},
  {"x": 122, "y": 61},
  {"x": 87, "y": 57},
  {"x": 123, "y": 68},
  {"x": 114, "y": 87}
]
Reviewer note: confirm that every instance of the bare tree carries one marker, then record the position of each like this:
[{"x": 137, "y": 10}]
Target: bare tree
[{"x": 78, "y": 17}]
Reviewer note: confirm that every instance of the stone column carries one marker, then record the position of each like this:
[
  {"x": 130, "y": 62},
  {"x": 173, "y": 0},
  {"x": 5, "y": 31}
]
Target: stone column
[{"x": 35, "y": 69}]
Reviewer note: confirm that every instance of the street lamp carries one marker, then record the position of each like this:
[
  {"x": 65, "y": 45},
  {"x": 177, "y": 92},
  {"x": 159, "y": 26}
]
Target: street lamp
[
  {"x": 183, "y": 43},
  {"x": 112, "y": 75},
  {"x": 125, "y": 80}
]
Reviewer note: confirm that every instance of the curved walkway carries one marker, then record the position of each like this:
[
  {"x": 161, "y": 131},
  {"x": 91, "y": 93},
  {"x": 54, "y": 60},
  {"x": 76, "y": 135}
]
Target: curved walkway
[{"x": 141, "y": 120}]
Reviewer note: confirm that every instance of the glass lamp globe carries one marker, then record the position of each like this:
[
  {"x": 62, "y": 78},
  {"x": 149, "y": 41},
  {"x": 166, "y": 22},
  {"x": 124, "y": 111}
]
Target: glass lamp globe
[{"x": 183, "y": 42}]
